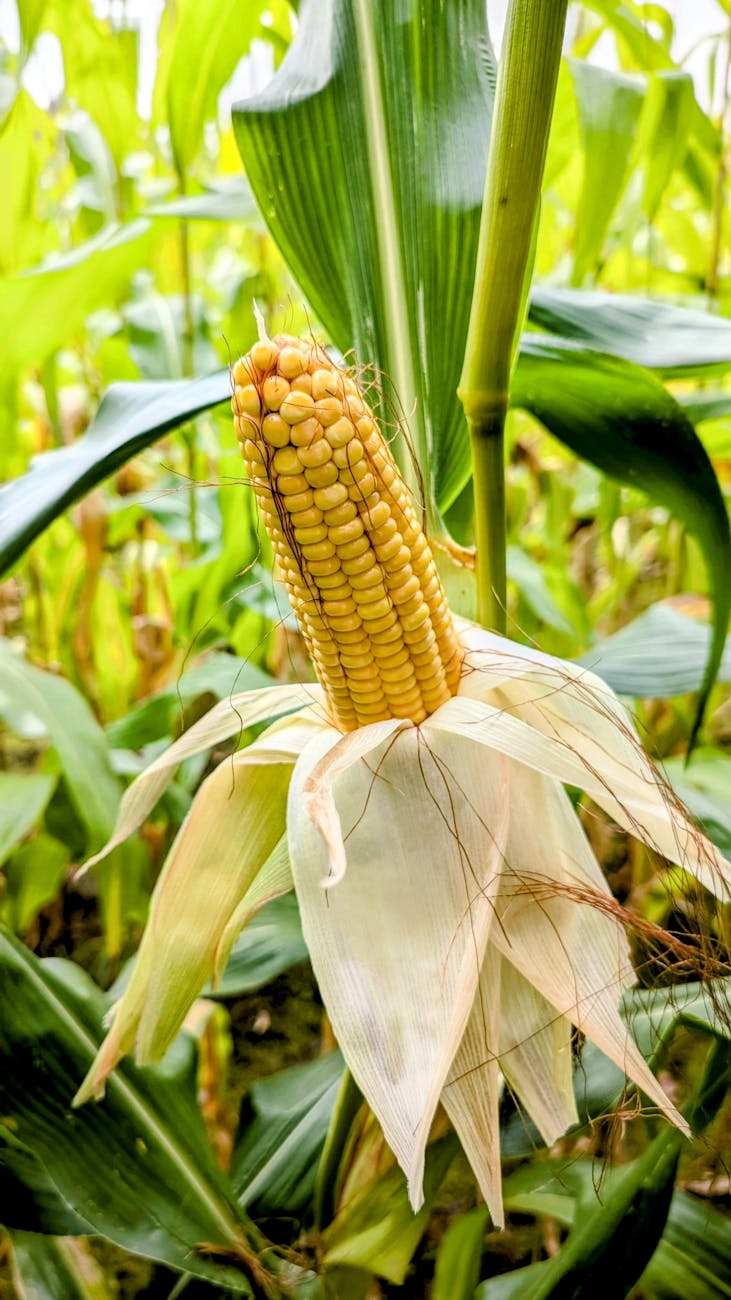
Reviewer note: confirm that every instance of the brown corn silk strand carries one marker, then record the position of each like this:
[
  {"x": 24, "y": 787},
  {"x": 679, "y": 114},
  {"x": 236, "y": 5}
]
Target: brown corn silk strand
[{"x": 350, "y": 549}]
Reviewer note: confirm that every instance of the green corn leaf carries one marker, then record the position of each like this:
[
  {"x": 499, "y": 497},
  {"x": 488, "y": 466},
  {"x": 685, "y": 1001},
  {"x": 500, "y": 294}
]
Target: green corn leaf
[
  {"x": 137, "y": 1167},
  {"x": 131, "y": 416},
  {"x": 692, "y": 1260},
  {"x": 661, "y": 653},
  {"x": 163, "y": 714},
  {"x": 673, "y": 340},
  {"x": 615, "y": 1237},
  {"x": 207, "y": 40},
  {"x": 34, "y": 875},
  {"x": 271, "y": 943},
  {"x": 229, "y": 200},
  {"x": 459, "y": 1256},
  {"x": 663, "y": 133},
  {"x": 609, "y": 105},
  {"x": 73, "y": 731},
  {"x": 366, "y": 155},
  {"x": 377, "y": 1230},
  {"x": 704, "y": 785},
  {"x": 706, "y": 403},
  {"x": 29, "y": 1198},
  {"x": 22, "y": 800},
  {"x": 30, "y": 13},
  {"x": 635, "y": 38},
  {"x": 100, "y": 70},
  {"x": 621, "y": 419},
  {"x": 40, "y": 309},
  {"x": 54, "y": 1266},
  {"x": 27, "y": 143},
  {"x": 284, "y": 1125}
]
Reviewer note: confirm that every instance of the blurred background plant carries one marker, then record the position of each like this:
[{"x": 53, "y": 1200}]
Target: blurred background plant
[{"x": 131, "y": 249}]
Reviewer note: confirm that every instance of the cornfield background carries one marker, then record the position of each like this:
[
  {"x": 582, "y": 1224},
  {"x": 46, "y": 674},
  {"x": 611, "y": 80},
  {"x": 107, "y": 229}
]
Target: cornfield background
[{"x": 138, "y": 590}]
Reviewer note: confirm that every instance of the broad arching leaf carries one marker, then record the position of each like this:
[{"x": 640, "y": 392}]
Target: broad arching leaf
[
  {"x": 621, "y": 419},
  {"x": 131, "y": 416},
  {"x": 366, "y": 154},
  {"x": 136, "y": 1168},
  {"x": 674, "y": 340}
]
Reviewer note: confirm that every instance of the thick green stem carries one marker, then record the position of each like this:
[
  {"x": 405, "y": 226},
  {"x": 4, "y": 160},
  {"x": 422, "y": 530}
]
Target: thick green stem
[
  {"x": 489, "y": 479},
  {"x": 526, "y": 89}
]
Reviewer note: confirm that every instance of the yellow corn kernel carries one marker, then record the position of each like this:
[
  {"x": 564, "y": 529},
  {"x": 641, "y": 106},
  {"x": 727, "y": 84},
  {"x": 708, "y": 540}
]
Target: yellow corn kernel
[
  {"x": 263, "y": 355},
  {"x": 350, "y": 454},
  {"x": 274, "y": 431},
  {"x": 339, "y": 516},
  {"x": 306, "y": 432},
  {"x": 306, "y": 536},
  {"x": 349, "y": 550},
  {"x": 286, "y": 461},
  {"x": 291, "y": 362},
  {"x": 300, "y": 501},
  {"x": 341, "y": 432},
  {"x": 316, "y": 456},
  {"x": 328, "y": 410},
  {"x": 323, "y": 475},
  {"x": 273, "y": 392},
  {"x": 296, "y": 407}
]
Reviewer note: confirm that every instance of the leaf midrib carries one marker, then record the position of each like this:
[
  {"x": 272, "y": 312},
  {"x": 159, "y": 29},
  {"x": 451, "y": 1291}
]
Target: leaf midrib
[{"x": 388, "y": 243}]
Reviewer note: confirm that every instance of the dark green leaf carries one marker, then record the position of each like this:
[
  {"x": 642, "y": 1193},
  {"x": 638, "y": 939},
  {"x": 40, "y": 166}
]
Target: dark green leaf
[
  {"x": 459, "y": 1256},
  {"x": 29, "y": 1198},
  {"x": 652, "y": 1012},
  {"x": 271, "y": 943},
  {"x": 614, "y": 1238},
  {"x": 693, "y": 1259},
  {"x": 275, "y": 1163},
  {"x": 652, "y": 333},
  {"x": 366, "y": 155},
  {"x": 136, "y": 1167},
  {"x": 620, "y": 418},
  {"x": 131, "y": 416}
]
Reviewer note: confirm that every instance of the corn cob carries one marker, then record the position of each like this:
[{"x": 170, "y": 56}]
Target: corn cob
[{"x": 355, "y": 562}]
